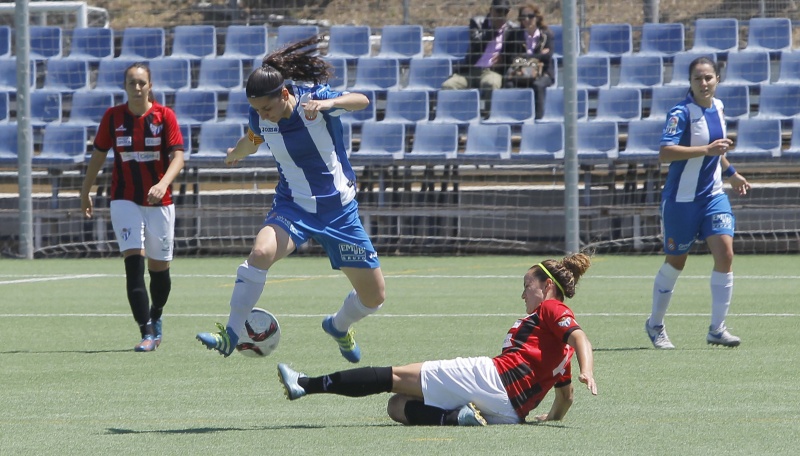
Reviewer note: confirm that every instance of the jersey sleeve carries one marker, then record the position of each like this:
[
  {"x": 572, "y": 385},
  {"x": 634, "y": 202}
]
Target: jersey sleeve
[
  {"x": 677, "y": 119},
  {"x": 253, "y": 128},
  {"x": 558, "y": 318},
  {"x": 174, "y": 135},
  {"x": 103, "y": 140},
  {"x": 324, "y": 92}
]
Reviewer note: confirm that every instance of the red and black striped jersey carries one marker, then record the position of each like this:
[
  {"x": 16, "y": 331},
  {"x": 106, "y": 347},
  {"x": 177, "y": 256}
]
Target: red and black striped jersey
[
  {"x": 536, "y": 356},
  {"x": 142, "y": 147}
]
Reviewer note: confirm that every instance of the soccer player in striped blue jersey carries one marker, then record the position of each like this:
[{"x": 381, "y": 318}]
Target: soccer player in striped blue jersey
[
  {"x": 694, "y": 205},
  {"x": 315, "y": 195}
]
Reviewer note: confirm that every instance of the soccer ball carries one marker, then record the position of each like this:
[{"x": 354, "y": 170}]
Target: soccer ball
[{"x": 263, "y": 334}]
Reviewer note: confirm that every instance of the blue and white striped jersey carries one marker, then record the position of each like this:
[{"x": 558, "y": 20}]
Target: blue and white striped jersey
[
  {"x": 689, "y": 124},
  {"x": 312, "y": 161}
]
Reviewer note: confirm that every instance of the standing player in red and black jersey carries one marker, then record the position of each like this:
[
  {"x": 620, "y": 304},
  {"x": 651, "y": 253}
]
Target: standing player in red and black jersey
[
  {"x": 536, "y": 357},
  {"x": 148, "y": 155}
]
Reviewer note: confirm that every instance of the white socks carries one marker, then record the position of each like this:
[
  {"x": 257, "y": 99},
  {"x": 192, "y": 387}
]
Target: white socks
[
  {"x": 721, "y": 292},
  {"x": 246, "y": 291},
  {"x": 663, "y": 286},
  {"x": 352, "y": 310}
]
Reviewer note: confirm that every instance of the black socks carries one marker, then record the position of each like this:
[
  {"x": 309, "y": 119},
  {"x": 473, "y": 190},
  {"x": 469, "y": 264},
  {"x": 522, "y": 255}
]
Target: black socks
[
  {"x": 359, "y": 382},
  {"x": 160, "y": 286}
]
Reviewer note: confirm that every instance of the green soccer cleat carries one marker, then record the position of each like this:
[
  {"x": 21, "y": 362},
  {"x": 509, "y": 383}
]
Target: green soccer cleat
[
  {"x": 347, "y": 344},
  {"x": 224, "y": 341}
]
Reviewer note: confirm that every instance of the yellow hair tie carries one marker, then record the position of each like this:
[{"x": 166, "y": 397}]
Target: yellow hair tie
[{"x": 541, "y": 266}]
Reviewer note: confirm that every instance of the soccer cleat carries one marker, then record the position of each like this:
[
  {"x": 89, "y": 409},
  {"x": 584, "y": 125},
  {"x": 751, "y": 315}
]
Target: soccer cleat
[
  {"x": 157, "y": 332},
  {"x": 722, "y": 337},
  {"x": 224, "y": 341},
  {"x": 658, "y": 336},
  {"x": 147, "y": 344},
  {"x": 469, "y": 415},
  {"x": 347, "y": 344},
  {"x": 289, "y": 378}
]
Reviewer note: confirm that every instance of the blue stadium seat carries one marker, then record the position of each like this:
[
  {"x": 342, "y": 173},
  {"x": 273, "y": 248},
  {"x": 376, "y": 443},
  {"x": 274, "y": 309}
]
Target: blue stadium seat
[
  {"x": 618, "y": 105},
  {"x": 594, "y": 72},
  {"x": 221, "y": 74},
  {"x": 171, "y": 74},
  {"x": 194, "y": 107},
  {"x": 789, "y": 68},
  {"x": 46, "y": 42},
  {"x": 45, "y": 107},
  {"x": 245, "y": 42},
  {"x": 88, "y": 107},
  {"x": 5, "y": 41},
  {"x": 756, "y": 140},
  {"x": 641, "y": 71},
  {"x": 428, "y": 73},
  {"x": 662, "y": 99},
  {"x": 680, "y": 66},
  {"x": 487, "y": 143},
  {"x": 194, "y": 42},
  {"x": 367, "y": 114},
  {"x": 511, "y": 106},
  {"x": 736, "y": 100},
  {"x": 747, "y": 68},
  {"x": 8, "y": 74},
  {"x": 288, "y": 34},
  {"x": 644, "y": 142},
  {"x": 66, "y": 76},
  {"x": 347, "y": 137},
  {"x": 401, "y": 42},
  {"x": 771, "y": 34},
  {"x": 541, "y": 143},
  {"x": 142, "y": 43},
  {"x": 186, "y": 133},
  {"x": 407, "y": 107},
  {"x": 791, "y": 154},
  {"x": 63, "y": 146},
  {"x": 716, "y": 35},
  {"x": 460, "y": 107},
  {"x": 338, "y": 81},
  {"x": 111, "y": 75},
  {"x": 92, "y": 44},
  {"x": 451, "y": 42},
  {"x": 597, "y": 142},
  {"x": 554, "y": 105},
  {"x": 778, "y": 102},
  {"x": 349, "y": 42},
  {"x": 8, "y": 144},
  {"x": 434, "y": 142},
  {"x": 610, "y": 40},
  {"x": 214, "y": 141},
  {"x": 381, "y": 143},
  {"x": 377, "y": 74},
  {"x": 662, "y": 39},
  {"x": 558, "y": 40},
  {"x": 238, "y": 108},
  {"x": 4, "y": 107}
]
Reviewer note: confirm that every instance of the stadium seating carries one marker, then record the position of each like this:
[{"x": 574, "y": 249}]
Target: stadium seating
[
  {"x": 451, "y": 42},
  {"x": 4, "y": 107},
  {"x": 662, "y": 99},
  {"x": 221, "y": 75},
  {"x": 46, "y": 42},
  {"x": 610, "y": 40},
  {"x": 789, "y": 68},
  {"x": 487, "y": 143},
  {"x": 377, "y": 74},
  {"x": 45, "y": 107},
  {"x": 401, "y": 42},
  {"x": 756, "y": 140},
  {"x": 680, "y": 66},
  {"x": 594, "y": 72},
  {"x": 779, "y": 102},
  {"x": 736, "y": 100},
  {"x": 194, "y": 107},
  {"x": 640, "y": 71},
  {"x": 288, "y": 34},
  {"x": 347, "y": 137},
  {"x": 511, "y": 106},
  {"x": 5, "y": 41},
  {"x": 541, "y": 143},
  {"x": 245, "y": 42},
  {"x": 644, "y": 141},
  {"x": 381, "y": 143},
  {"x": 186, "y": 133},
  {"x": 428, "y": 73},
  {"x": 111, "y": 75},
  {"x": 558, "y": 43},
  {"x": 747, "y": 68},
  {"x": 238, "y": 108},
  {"x": 194, "y": 42},
  {"x": 460, "y": 107},
  {"x": 434, "y": 142},
  {"x": 771, "y": 34},
  {"x": 142, "y": 43},
  {"x": 618, "y": 105},
  {"x": 348, "y": 42},
  {"x": 66, "y": 75},
  {"x": 63, "y": 146},
  {"x": 8, "y": 144},
  {"x": 91, "y": 44},
  {"x": 597, "y": 142},
  {"x": 214, "y": 141},
  {"x": 367, "y": 114},
  {"x": 407, "y": 107},
  {"x": 88, "y": 107},
  {"x": 792, "y": 153},
  {"x": 171, "y": 74},
  {"x": 662, "y": 39},
  {"x": 338, "y": 81},
  {"x": 716, "y": 35},
  {"x": 554, "y": 105}
]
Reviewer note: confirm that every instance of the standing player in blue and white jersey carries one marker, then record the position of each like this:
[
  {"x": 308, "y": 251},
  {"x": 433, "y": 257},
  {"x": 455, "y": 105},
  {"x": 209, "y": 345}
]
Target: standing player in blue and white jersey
[
  {"x": 693, "y": 204},
  {"x": 315, "y": 195}
]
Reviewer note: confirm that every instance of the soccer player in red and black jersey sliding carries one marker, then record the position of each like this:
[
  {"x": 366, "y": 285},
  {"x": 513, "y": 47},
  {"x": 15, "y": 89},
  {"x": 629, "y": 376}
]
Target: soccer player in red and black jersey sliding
[
  {"x": 148, "y": 156},
  {"x": 536, "y": 356}
]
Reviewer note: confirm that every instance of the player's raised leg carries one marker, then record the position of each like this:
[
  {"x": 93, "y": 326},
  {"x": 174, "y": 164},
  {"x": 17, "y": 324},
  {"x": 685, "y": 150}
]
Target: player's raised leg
[{"x": 369, "y": 292}]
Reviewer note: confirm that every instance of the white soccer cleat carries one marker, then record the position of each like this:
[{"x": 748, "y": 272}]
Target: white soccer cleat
[
  {"x": 722, "y": 337},
  {"x": 658, "y": 336}
]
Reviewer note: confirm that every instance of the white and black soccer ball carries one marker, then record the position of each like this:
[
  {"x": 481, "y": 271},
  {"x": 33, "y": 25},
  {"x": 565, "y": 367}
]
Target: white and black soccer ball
[{"x": 262, "y": 334}]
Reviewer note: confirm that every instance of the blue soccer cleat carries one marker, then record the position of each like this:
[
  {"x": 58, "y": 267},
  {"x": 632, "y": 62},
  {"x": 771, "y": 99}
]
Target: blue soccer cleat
[
  {"x": 224, "y": 341},
  {"x": 347, "y": 344},
  {"x": 289, "y": 378},
  {"x": 469, "y": 415},
  {"x": 157, "y": 332},
  {"x": 147, "y": 344}
]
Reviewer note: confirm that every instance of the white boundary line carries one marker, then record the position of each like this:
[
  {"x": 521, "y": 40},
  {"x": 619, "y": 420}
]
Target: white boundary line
[{"x": 461, "y": 315}]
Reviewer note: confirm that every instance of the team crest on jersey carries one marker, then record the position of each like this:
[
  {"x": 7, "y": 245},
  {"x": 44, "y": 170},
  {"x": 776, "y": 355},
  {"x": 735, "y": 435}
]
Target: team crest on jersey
[
  {"x": 126, "y": 233},
  {"x": 156, "y": 129},
  {"x": 672, "y": 125},
  {"x": 565, "y": 322},
  {"x": 722, "y": 221},
  {"x": 350, "y": 252},
  {"x": 671, "y": 244}
]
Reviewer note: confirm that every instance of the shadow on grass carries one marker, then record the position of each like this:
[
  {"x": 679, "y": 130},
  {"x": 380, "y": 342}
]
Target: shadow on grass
[
  {"x": 211, "y": 430},
  {"x": 51, "y": 352},
  {"x": 620, "y": 349}
]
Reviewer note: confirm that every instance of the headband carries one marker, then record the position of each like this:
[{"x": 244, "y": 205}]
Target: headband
[
  {"x": 541, "y": 266},
  {"x": 264, "y": 93}
]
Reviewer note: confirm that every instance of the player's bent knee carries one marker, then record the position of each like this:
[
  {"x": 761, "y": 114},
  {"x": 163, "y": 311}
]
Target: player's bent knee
[{"x": 396, "y": 408}]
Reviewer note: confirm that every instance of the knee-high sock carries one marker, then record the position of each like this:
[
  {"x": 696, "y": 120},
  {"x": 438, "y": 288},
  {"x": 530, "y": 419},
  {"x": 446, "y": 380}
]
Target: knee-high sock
[
  {"x": 420, "y": 414},
  {"x": 137, "y": 291},
  {"x": 246, "y": 291},
  {"x": 160, "y": 286},
  {"x": 721, "y": 292},
  {"x": 358, "y": 382},
  {"x": 663, "y": 286},
  {"x": 352, "y": 310}
]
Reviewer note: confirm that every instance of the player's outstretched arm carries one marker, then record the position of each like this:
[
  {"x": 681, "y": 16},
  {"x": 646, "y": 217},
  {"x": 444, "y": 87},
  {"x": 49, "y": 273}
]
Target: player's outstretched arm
[
  {"x": 561, "y": 404},
  {"x": 243, "y": 148},
  {"x": 583, "y": 351}
]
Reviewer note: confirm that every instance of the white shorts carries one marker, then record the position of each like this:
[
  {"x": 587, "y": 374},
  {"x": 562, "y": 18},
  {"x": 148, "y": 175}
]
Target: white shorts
[
  {"x": 151, "y": 228},
  {"x": 450, "y": 384}
]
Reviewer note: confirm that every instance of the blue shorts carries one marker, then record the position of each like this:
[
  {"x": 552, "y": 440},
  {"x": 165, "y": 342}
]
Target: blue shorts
[
  {"x": 684, "y": 223},
  {"x": 340, "y": 233}
]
